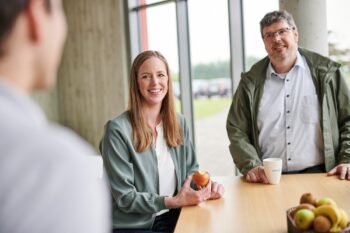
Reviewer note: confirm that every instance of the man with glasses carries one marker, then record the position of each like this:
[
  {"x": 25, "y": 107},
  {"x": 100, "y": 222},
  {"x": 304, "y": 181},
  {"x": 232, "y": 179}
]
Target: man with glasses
[{"x": 294, "y": 104}]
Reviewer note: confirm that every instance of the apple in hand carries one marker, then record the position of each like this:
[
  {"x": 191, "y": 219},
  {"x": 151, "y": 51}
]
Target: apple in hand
[
  {"x": 304, "y": 218},
  {"x": 201, "y": 178}
]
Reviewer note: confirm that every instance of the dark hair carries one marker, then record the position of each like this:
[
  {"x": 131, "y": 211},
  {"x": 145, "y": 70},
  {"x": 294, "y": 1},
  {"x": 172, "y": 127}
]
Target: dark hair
[
  {"x": 9, "y": 11},
  {"x": 276, "y": 16}
]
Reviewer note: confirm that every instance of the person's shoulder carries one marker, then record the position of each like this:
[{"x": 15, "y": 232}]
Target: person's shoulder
[
  {"x": 254, "y": 77},
  {"x": 256, "y": 72},
  {"x": 120, "y": 120},
  {"x": 57, "y": 140},
  {"x": 181, "y": 118},
  {"x": 51, "y": 149},
  {"x": 121, "y": 124},
  {"x": 317, "y": 60},
  {"x": 182, "y": 123},
  {"x": 55, "y": 165}
]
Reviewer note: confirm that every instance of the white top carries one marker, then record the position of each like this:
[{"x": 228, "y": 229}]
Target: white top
[
  {"x": 289, "y": 118},
  {"x": 48, "y": 182},
  {"x": 166, "y": 168}
]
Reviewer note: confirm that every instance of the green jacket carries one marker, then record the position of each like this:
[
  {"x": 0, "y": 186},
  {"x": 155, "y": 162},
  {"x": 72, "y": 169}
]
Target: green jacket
[
  {"x": 134, "y": 177},
  {"x": 333, "y": 95}
]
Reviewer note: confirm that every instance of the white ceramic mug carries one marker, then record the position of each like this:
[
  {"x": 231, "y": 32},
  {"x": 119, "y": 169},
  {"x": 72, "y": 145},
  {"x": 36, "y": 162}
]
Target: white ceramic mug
[{"x": 273, "y": 169}]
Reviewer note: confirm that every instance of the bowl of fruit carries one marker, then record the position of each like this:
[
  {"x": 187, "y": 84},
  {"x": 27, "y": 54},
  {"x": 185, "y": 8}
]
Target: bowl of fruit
[{"x": 317, "y": 216}]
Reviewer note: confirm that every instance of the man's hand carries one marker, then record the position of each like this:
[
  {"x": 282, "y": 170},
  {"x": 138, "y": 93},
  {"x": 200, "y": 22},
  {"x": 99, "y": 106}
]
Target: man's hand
[
  {"x": 257, "y": 175},
  {"x": 343, "y": 170}
]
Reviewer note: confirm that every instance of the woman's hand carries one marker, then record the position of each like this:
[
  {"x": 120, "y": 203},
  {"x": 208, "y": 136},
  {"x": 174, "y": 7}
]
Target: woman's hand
[
  {"x": 217, "y": 190},
  {"x": 188, "y": 196}
]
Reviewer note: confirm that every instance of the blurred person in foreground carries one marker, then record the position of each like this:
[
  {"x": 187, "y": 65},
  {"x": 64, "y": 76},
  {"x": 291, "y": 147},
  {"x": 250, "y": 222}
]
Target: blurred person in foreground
[
  {"x": 148, "y": 154},
  {"x": 294, "y": 104},
  {"x": 48, "y": 183}
]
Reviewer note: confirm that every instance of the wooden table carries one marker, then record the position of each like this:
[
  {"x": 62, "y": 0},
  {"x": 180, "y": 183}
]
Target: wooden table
[{"x": 259, "y": 208}]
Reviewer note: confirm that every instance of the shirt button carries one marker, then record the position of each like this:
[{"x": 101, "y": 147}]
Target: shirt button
[
  {"x": 289, "y": 159},
  {"x": 288, "y": 127},
  {"x": 287, "y": 80},
  {"x": 288, "y": 143},
  {"x": 287, "y": 96},
  {"x": 288, "y": 111}
]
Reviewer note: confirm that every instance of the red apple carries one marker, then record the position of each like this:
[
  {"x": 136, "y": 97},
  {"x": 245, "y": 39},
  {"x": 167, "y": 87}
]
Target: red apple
[{"x": 201, "y": 178}]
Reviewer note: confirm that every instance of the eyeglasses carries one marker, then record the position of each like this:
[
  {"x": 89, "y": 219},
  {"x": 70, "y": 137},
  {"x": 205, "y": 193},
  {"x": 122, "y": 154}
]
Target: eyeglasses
[{"x": 269, "y": 36}]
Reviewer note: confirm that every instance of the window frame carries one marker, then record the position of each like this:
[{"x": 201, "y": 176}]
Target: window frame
[{"x": 237, "y": 56}]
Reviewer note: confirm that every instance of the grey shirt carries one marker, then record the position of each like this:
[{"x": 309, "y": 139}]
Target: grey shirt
[{"x": 47, "y": 178}]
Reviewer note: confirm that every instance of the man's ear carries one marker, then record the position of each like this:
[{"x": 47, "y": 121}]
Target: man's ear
[
  {"x": 296, "y": 35},
  {"x": 35, "y": 13}
]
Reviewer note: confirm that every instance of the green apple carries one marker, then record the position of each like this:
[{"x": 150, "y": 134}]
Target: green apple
[
  {"x": 304, "y": 218},
  {"x": 326, "y": 201}
]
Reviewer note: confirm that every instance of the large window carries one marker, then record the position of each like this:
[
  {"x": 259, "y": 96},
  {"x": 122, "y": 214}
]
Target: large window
[
  {"x": 207, "y": 43},
  {"x": 160, "y": 23},
  {"x": 158, "y": 32},
  {"x": 211, "y": 82},
  {"x": 339, "y": 34},
  {"x": 253, "y": 12},
  {"x": 195, "y": 35}
]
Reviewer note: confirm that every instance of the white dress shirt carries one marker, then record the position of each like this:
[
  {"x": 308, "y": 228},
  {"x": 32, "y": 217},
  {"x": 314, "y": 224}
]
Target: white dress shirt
[
  {"x": 289, "y": 118},
  {"x": 166, "y": 168},
  {"x": 48, "y": 182}
]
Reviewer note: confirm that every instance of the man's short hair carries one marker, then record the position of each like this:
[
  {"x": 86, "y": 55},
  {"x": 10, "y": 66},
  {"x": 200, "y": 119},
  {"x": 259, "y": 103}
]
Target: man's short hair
[
  {"x": 9, "y": 11},
  {"x": 276, "y": 16}
]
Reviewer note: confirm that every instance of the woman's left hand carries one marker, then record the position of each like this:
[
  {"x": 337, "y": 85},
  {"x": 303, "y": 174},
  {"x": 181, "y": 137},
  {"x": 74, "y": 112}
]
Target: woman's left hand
[{"x": 216, "y": 190}]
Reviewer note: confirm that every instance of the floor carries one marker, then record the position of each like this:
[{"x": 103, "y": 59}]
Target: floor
[{"x": 212, "y": 145}]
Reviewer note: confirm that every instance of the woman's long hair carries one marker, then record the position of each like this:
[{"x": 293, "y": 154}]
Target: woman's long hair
[{"x": 142, "y": 134}]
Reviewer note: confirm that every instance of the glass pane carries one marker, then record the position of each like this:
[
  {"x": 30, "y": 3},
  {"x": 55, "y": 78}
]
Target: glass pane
[
  {"x": 339, "y": 34},
  {"x": 253, "y": 12},
  {"x": 211, "y": 83},
  {"x": 159, "y": 33}
]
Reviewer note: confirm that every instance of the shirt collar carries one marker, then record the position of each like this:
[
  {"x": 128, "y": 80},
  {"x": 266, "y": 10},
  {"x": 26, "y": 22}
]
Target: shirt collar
[{"x": 271, "y": 73}]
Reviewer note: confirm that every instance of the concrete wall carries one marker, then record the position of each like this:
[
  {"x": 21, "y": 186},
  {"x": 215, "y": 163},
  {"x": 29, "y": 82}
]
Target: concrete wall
[
  {"x": 311, "y": 19},
  {"x": 92, "y": 84}
]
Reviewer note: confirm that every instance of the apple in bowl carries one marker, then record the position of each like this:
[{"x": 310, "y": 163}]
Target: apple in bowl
[{"x": 201, "y": 178}]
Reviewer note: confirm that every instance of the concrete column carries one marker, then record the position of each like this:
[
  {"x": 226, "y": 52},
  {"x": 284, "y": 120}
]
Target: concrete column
[
  {"x": 311, "y": 19},
  {"x": 92, "y": 84}
]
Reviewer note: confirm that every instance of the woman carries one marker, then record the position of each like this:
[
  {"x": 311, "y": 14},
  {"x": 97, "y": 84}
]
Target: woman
[{"x": 148, "y": 154}]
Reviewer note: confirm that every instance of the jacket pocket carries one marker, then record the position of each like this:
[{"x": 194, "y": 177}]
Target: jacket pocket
[{"x": 310, "y": 109}]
